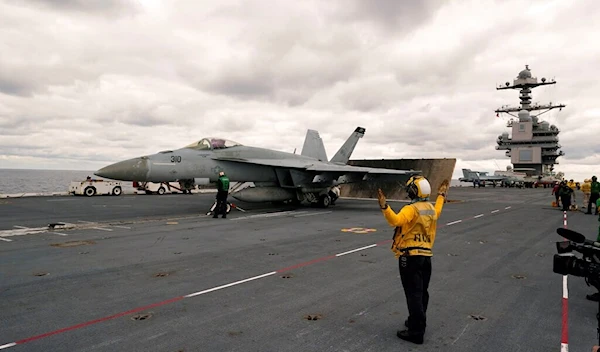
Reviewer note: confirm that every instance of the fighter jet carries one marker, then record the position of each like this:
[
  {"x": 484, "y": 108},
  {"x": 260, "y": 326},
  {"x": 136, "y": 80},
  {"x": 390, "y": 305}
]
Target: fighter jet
[
  {"x": 480, "y": 177},
  {"x": 275, "y": 176}
]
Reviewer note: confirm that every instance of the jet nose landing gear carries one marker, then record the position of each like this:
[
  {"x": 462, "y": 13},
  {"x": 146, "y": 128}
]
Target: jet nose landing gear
[{"x": 324, "y": 201}]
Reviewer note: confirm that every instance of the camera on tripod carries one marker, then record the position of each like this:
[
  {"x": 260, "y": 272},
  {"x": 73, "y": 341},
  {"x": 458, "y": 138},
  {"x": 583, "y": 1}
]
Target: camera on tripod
[
  {"x": 566, "y": 263},
  {"x": 588, "y": 266}
]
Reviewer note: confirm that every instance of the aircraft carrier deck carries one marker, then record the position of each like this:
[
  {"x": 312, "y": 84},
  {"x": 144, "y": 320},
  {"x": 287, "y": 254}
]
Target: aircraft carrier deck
[{"x": 154, "y": 273}]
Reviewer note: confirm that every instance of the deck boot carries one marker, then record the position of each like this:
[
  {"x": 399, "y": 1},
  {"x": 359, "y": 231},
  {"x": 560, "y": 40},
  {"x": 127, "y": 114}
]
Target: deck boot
[
  {"x": 593, "y": 297},
  {"x": 411, "y": 337}
]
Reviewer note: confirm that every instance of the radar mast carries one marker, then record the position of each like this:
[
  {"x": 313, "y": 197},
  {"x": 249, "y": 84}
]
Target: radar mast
[{"x": 533, "y": 145}]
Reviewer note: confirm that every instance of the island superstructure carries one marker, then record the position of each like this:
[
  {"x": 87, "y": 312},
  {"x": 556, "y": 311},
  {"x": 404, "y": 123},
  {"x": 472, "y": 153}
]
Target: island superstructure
[{"x": 533, "y": 145}]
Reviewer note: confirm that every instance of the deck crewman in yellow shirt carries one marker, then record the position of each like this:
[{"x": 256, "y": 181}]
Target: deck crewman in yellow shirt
[
  {"x": 413, "y": 241},
  {"x": 586, "y": 188}
]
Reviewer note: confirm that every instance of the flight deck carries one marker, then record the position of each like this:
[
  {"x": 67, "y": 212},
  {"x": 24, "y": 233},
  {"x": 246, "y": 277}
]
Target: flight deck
[{"x": 155, "y": 273}]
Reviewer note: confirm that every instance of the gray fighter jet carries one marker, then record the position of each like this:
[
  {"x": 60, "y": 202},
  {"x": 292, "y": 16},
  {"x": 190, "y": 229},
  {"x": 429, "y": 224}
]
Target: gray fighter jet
[
  {"x": 480, "y": 177},
  {"x": 275, "y": 176}
]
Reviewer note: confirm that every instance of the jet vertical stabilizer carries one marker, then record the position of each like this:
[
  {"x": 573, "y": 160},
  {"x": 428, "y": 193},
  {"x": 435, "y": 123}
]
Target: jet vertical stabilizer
[
  {"x": 343, "y": 155},
  {"x": 470, "y": 175},
  {"x": 313, "y": 146}
]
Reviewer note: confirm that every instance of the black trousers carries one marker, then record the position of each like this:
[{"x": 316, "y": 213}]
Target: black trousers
[
  {"x": 566, "y": 202},
  {"x": 592, "y": 201},
  {"x": 415, "y": 272},
  {"x": 221, "y": 207}
]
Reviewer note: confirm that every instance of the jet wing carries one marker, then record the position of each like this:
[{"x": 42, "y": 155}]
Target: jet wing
[
  {"x": 286, "y": 163},
  {"x": 318, "y": 167},
  {"x": 492, "y": 178},
  {"x": 350, "y": 173},
  {"x": 358, "y": 169}
]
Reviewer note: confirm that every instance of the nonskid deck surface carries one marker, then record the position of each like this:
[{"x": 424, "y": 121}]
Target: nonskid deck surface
[{"x": 156, "y": 274}]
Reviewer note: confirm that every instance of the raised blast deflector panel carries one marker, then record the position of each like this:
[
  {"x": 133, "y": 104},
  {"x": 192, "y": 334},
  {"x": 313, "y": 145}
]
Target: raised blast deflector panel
[{"x": 435, "y": 170}]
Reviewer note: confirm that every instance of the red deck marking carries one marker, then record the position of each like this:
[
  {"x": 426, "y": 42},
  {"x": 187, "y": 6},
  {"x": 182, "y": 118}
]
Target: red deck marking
[
  {"x": 172, "y": 300},
  {"x": 78, "y": 326},
  {"x": 564, "y": 338}
]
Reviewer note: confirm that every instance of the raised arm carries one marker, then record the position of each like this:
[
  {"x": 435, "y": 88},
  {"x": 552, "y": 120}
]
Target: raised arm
[
  {"x": 403, "y": 217},
  {"x": 441, "y": 198}
]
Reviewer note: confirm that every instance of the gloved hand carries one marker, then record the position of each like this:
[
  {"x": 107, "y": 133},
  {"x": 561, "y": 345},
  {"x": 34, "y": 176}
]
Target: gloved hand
[
  {"x": 443, "y": 190},
  {"x": 381, "y": 198}
]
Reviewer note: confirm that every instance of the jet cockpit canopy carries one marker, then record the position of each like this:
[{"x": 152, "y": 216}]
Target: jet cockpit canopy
[{"x": 212, "y": 143}]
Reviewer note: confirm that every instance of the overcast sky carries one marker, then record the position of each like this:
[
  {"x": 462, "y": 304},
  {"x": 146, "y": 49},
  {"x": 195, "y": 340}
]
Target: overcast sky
[{"x": 85, "y": 83}]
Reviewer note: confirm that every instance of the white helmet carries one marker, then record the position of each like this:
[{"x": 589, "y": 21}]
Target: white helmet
[{"x": 418, "y": 187}]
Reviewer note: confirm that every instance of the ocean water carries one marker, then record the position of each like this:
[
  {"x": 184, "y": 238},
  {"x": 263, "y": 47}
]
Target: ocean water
[
  {"x": 48, "y": 181},
  {"x": 39, "y": 181}
]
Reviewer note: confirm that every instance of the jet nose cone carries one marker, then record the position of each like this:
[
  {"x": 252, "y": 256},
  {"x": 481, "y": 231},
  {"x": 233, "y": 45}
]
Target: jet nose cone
[{"x": 129, "y": 170}]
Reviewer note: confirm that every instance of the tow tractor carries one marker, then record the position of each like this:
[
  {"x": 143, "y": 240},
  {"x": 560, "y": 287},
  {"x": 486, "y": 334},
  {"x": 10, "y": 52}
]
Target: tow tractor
[
  {"x": 92, "y": 187},
  {"x": 163, "y": 187}
]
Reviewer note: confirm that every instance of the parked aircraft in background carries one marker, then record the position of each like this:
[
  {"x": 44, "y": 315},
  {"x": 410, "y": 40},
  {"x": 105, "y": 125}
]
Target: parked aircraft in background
[
  {"x": 521, "y": 177},
  {"x": 529, "y": 177},
  {"x": 480, "y": 177},
  {"x": 276, "y": 176}
]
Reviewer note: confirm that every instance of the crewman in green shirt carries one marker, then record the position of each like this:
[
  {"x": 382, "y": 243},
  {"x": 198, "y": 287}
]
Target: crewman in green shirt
[{"x": 222, "y": 193}]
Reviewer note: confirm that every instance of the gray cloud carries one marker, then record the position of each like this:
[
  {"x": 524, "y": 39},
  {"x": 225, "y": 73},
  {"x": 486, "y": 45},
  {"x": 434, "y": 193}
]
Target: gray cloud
[
  {"x": 390, "y": 14},
  {"x": 137, "y": 116},
  {"x": 242, "y": 82},
  {"x": 21, "y": 80},
  {"x": 286, "y": 67},
  {"x": 14, "y": 85},
  {"x": 420, "y": 77},
  {"x": 111, "y": 7}
]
